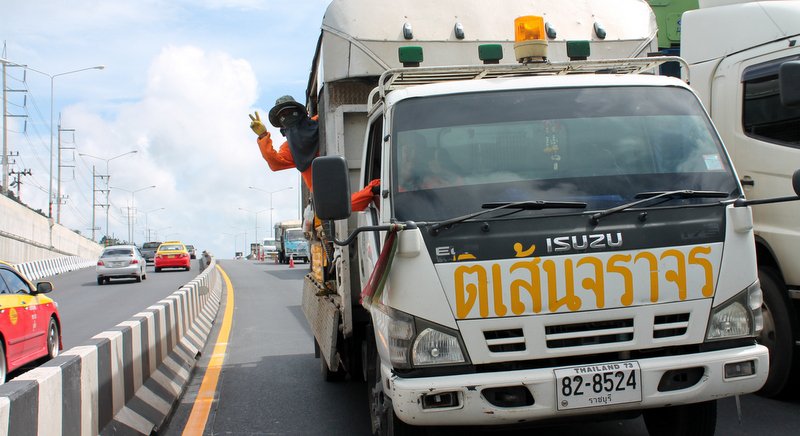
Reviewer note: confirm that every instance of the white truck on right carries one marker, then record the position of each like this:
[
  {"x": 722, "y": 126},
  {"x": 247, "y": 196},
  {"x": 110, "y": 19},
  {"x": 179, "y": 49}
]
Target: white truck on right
[{"x": 743, "y": 60}]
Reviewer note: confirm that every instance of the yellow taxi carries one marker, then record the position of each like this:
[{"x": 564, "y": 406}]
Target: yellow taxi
[
  {"x": 30, "y": 327},
  {"x": 172, "y": 254}
]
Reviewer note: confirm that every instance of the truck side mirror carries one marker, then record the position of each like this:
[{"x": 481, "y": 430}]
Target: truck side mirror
[
  {"x": 789, "y": 83},
  {"x": 331, "y": 187}
]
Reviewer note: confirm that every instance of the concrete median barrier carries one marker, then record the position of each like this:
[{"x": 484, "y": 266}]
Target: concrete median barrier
[
  {"x": 125, "y": 380},
  {"x": 37, "y": 269}
]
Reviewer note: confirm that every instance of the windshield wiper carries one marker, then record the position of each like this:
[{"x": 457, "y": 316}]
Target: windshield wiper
[
  {"x": 518, "y": 205},
  {"x": 647, "y": 197}
]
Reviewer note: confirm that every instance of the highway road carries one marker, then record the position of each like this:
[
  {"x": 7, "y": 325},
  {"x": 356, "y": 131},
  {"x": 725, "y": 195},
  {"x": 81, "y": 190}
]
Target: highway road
[
  {"x": 87, "y": 309},
  {"x": 270, "y": 382}
]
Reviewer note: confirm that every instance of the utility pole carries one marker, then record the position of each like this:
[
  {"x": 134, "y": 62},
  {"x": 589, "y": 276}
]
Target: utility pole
[
  {"x": 6, "y": 116},
  {"x": 18, "y": 179},
  {"x": 95, "y": 204},
  {"x": 58, "y": 177}
]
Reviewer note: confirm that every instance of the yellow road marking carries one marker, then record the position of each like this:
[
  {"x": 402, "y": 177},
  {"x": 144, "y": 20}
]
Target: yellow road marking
[{"x": 205, "y": 397}]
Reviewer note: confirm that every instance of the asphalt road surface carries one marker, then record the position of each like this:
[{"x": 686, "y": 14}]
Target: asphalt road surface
[
  {"x": 87, "y": 309},
  {"x": 270, "y": 382}
]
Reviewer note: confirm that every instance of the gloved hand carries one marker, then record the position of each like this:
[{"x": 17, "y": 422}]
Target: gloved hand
[
  {"x": 257, "y": 126},
  {"x": 375, "y": 186}
]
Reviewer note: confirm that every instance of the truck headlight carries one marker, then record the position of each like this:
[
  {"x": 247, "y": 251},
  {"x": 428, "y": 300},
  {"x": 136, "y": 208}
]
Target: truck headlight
[
  {"x": 738, "y": 317},
  {"x": 433, "y": 345}
]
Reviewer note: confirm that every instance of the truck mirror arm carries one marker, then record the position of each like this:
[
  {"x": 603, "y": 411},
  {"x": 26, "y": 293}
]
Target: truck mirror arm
[
  {"x": 395, "y": 227},
  {"x": 741, "y": 202},
  {"x": 795, "y": 185}
]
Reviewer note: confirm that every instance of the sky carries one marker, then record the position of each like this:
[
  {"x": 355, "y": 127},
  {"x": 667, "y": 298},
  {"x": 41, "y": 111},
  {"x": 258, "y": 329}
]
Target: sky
[{"x": 179, "y": 80}]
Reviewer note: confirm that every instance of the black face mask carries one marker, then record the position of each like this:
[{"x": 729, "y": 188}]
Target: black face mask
[
  {"x": 288, "y": 118},
  {"x": 303, "y": 137}
]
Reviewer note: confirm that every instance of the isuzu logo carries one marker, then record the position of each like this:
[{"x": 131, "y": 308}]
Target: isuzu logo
[{"x": 584, "y": 242}]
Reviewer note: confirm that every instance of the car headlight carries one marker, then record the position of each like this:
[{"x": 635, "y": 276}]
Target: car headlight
[
  {"x": 738, "y": 317},
  {"x": 415, "y": 342}
]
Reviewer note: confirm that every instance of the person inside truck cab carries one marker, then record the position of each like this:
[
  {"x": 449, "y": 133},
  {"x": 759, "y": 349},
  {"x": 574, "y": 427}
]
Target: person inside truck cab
[
  {"x": 301, "y": 145},
  {"x": 422, "y": 166}
]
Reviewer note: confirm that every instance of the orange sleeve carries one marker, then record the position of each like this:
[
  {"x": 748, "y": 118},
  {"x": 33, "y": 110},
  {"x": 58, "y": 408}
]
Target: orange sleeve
[
  {"x": 361, "y": 199},
  {"x": 277, "y": 160}
]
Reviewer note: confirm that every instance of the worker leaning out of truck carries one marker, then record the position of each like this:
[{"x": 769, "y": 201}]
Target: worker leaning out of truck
[{"x": 301, "y": 145}]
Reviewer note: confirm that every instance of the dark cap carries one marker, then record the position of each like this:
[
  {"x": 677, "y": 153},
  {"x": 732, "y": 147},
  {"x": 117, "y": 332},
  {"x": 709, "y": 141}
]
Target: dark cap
[{"x": 287, "y": 101}]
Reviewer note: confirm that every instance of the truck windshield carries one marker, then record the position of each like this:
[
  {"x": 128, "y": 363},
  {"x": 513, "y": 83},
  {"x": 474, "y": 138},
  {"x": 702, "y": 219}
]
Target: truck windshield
[
  {"x": 598, "y": 145},
  {"x": 295, "y": 234}
]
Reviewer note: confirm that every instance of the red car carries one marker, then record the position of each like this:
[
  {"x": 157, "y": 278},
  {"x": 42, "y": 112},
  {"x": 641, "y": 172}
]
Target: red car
[
  {"x": 172, "y": 254},
  {"x": 29, "y": 322}
]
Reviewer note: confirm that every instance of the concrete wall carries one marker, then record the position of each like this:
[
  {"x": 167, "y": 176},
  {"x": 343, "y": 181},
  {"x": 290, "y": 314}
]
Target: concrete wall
[
  {"x": 125, "y": 380},
  {"x": 27, "y": 236}
]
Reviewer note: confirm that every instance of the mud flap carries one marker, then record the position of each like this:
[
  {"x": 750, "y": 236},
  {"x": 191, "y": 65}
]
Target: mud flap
[{"x": 323, "y": 316}]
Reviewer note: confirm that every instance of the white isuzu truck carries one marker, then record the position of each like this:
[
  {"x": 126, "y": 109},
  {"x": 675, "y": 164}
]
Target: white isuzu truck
[
  {"x": 559, "y": 232},
  {"x": 737, "y": 75}
]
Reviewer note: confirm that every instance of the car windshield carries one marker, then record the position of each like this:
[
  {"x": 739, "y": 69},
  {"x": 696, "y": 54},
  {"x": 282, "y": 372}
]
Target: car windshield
[
  {"x": 599, "y": 146},
  {"x": 117, "y": 252},
  {"x": 151, "y": 244},
  {"x": 171, "y": 247}
]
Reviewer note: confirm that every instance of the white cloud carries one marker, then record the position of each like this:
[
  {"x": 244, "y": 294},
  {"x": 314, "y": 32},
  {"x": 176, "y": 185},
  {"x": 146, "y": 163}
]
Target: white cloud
[{"x": 180, "y": 79}]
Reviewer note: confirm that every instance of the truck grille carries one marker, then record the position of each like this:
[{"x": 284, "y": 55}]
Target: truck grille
[
  {"x": 665, "y": 326},
  {"x": 589, "y": 333},
  {"x": 503, "y": 341},
  {"x": 586, "y": 333}
]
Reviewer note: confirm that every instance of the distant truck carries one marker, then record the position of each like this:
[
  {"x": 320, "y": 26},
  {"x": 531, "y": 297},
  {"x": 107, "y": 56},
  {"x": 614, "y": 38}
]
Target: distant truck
[
  {"x": 149, "y": 251},
  {"x": 291, "y": 241},
  {"x": 270, "y": 249}
]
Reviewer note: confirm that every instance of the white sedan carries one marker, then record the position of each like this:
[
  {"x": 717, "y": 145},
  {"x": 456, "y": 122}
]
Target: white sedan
[{"x": 121, "y": 262}]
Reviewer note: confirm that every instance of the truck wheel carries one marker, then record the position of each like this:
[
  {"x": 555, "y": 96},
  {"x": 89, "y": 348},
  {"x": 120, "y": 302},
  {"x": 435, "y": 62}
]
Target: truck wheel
[
  {"x": 698, "y": 419},
  {"x": 777, "y": 334},
  {"x": 99, "y": 281},
  {"x": 327, "y": 374},
  {"x": 381, "y": 412}
]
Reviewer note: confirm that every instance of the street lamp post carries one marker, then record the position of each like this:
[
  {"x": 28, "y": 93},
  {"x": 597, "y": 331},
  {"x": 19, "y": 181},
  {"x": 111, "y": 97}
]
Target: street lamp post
[
  {"x": 131, "y": 208},
  {"x": 108, "y": 180},
  {"x": 271, "y": 235}
]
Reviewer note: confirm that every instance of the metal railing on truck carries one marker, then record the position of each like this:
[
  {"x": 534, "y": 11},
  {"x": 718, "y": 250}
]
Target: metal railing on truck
[{"x": 410, "y": 76}]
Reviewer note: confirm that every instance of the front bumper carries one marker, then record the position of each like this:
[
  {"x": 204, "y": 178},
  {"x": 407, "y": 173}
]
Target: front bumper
[{"x": 474, "y": 409}]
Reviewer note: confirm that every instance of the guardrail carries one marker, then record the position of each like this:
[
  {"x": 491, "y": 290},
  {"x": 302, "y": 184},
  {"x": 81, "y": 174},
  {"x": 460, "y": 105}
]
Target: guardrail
[
  {"x": 125, "y": 380},
  {"x": 49, "y": 267}
]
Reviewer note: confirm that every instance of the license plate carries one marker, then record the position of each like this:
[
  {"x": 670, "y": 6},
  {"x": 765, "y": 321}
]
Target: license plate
[{"x": 598, "y": 385}]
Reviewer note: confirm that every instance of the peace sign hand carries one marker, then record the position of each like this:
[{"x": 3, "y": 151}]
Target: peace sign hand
[{"x": 257, "y": 126}]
